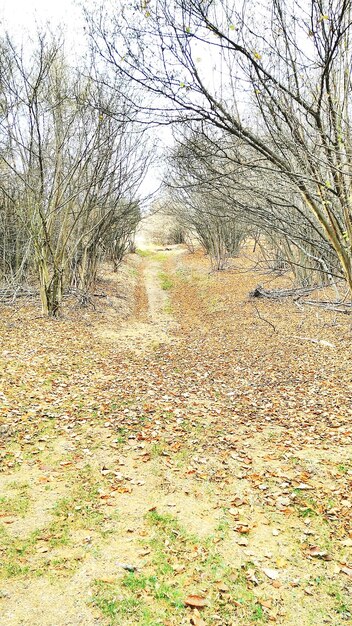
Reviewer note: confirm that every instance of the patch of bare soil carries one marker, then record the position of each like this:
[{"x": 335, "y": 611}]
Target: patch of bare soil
[{"x": 43, "y": 602}]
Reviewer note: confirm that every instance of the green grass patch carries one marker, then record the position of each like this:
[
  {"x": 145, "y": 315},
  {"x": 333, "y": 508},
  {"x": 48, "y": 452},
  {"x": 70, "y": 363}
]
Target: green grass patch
[
  {"x": 81, "y": 509},
  {"x": 144, "y": 253},
  {"x": 306, "y": 512},
  {"x": 183, "y": 563},
  {"x": 16, "y": 554},
  {"x": 157, "y": 450},
  {"x": 128, "y": 609},
  {"x": 16, "y": 504},
  {"x": 165, "y": 281},
  {"x": 152, "y": 254}
]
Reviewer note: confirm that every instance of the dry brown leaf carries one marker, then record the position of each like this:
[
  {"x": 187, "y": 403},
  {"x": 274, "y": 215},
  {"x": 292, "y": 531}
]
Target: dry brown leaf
[
  {"x": 346, "y": 569},
  {"x": 222, "y": 587},
  {"x": 195, "y": 601},
  {"x": 319, "y": 553},
  {"x": 251, "y": 576},
  {"x": 238, "y": 502},
  {"x": 266, "y": 603},
  {"x": 242, "y": 528},
  {"x": 303, "y": 487}
]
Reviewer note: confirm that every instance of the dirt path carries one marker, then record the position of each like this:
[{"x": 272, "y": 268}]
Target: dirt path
[
  {"x": 151, "y": 323},
  {"x": 169, "y": 448},
  {"x": 149, "y": 326}
]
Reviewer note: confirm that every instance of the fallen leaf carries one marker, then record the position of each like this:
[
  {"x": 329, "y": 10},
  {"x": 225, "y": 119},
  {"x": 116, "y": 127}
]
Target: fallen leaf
[
  {"x": 242, "y": 528},
  {"x": 195, "y": 601},
  {"x": 233, "y": 511},
  {"x": 222, "y": 587},
  {"x": 43, "y": 479},
  {"x": 251, "y": 576},
  {"x": 127, "y": 566},
  {"x": 308, "y": 591},
  {"x": 346, "y": 569},
  {"x": 319, "y": 553},
  {"x": 266, "y": 603},
  {"x": 196, "y": 619},
  {"x": 303, "y": 486},
  {"x": 273, "y": 574}
]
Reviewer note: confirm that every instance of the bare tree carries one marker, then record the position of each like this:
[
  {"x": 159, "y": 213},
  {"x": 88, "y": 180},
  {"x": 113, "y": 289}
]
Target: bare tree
[
  {"x": 280, "y": 70},
  {"x": 219, "y": 182},
  {"x": 75, "y": 168}
]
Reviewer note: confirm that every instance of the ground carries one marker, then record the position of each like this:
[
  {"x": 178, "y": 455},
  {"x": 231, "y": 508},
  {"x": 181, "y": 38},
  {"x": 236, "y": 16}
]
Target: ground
[{"x": 181, "y": 454}]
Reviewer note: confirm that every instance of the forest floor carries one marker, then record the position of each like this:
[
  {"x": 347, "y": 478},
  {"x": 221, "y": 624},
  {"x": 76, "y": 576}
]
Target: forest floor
[{"x": 181, "y": 454}]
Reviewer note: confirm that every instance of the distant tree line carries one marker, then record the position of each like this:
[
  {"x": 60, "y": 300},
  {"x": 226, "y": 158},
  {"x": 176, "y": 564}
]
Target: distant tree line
[{"x": 262, "y": 95}]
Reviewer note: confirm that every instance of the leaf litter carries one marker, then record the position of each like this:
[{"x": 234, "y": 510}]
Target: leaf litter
[{"x": 246, "y": 439}]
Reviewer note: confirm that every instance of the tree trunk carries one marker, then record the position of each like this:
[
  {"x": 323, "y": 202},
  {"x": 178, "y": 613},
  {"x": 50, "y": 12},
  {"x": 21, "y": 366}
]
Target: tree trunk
[{"x": 51, "y": 288}]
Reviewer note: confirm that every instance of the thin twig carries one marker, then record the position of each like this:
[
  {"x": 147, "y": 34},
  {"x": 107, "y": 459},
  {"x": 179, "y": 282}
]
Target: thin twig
[{"x": 263, "y": 318}]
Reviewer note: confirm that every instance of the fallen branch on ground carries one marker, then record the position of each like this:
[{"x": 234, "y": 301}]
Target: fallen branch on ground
[
  {"x": 10, "y": 294},
  {"x": 274, "y": 294},
  {"x": 338, "y": 307},
  {"x": 298, "y": 293}
]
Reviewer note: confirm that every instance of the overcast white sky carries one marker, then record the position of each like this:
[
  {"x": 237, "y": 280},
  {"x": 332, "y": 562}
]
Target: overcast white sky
[
  {"x": 23, "y": 14},
  {"x": 21, "y": 17}
]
